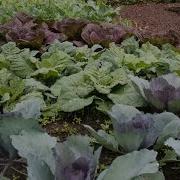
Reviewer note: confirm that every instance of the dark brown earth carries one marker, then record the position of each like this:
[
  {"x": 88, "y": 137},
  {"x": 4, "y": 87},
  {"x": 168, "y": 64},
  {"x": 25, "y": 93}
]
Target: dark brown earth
[{"x": 155, "y": 19}]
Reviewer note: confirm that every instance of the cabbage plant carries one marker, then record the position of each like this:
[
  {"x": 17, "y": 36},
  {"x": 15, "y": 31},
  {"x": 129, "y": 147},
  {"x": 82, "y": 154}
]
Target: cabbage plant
[
  {"x": 132, "y": 129},
  {"x": 76, "y": 159},
  {"x": 162, "y": 92}
]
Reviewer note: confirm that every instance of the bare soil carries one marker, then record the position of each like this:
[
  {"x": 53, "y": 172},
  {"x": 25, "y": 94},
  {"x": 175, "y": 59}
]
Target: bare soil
[{"x": 155, "y": 19}]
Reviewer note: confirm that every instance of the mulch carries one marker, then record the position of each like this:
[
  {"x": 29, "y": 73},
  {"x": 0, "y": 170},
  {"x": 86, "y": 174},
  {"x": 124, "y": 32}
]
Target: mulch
[{"x": 159, "y": 19}]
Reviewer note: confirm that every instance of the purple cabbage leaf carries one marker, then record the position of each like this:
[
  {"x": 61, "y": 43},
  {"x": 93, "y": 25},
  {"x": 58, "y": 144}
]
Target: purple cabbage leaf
[
  {"x": 162, "y": 92},
  {"x": 132, "y": 129},
  {"x": 76, "y": 159}
]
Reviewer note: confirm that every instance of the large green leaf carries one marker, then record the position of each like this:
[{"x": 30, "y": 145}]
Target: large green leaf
[
  {"x": 127, "y": 95},
  {"x": 130, "y": 45},
  {"x": 11, "y": 124},
  {"x": 140, "y": 85},
  {"x": 172, "y": 57},
  {"x": 46, "y": 73},
  {"x": 172, "y": 129},
  {"x": 32, "y": 84},
  {"x": 104, "y": 76},
  {"x": 73, "y": 91},
  {"x": 5, "y": 77},
  {"x": 155, "y": 176},
  {"x": 132, "y": 165},
  {"x": 38, "y": 170},
  {"x": 36, "y": 147},
  {"x": 58, "y": 60},
  {"x": 66, "y": 47},
  {"x": 29, "y": 109},
  {"x": 78, "y": 83},
  {"x": 22, "y": 63},
  {"x": 23, "y": 117},
  {"x": 33, "y": 96}
]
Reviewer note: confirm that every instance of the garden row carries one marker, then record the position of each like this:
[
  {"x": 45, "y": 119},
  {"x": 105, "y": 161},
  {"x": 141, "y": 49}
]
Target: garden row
[{"x": 105, "y": 66}]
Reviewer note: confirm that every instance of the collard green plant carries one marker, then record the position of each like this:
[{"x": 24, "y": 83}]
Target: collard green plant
[
  {"x": 73, "y": 92},
  {"x": 162, "y": 92},
  {"x": 21, "y": 62},
  {"x": 104, "y": 76}
]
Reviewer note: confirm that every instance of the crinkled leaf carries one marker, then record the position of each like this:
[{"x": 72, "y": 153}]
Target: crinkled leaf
[
  {"x": 3, "y": 62},
  {"x": 130, "y": 45},
  {"x": 9, "y": 49},
  {"x": 22, "y": 63},
  {"x": 73, "y": 91},
  {"x": 11, "y": 88},
  {"x": 66, "y": 47},
  {"x": 104, "y": 76},
  {"x": 58, "y": 60},
  {"x": 103, "y": 105}
]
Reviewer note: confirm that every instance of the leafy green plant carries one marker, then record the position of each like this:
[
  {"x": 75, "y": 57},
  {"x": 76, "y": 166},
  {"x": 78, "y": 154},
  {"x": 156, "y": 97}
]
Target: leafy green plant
[{"x": 57, "y": 9}]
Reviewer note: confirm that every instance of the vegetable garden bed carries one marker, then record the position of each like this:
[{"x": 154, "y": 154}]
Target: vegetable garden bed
[{"x": 87, "y": 95}]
